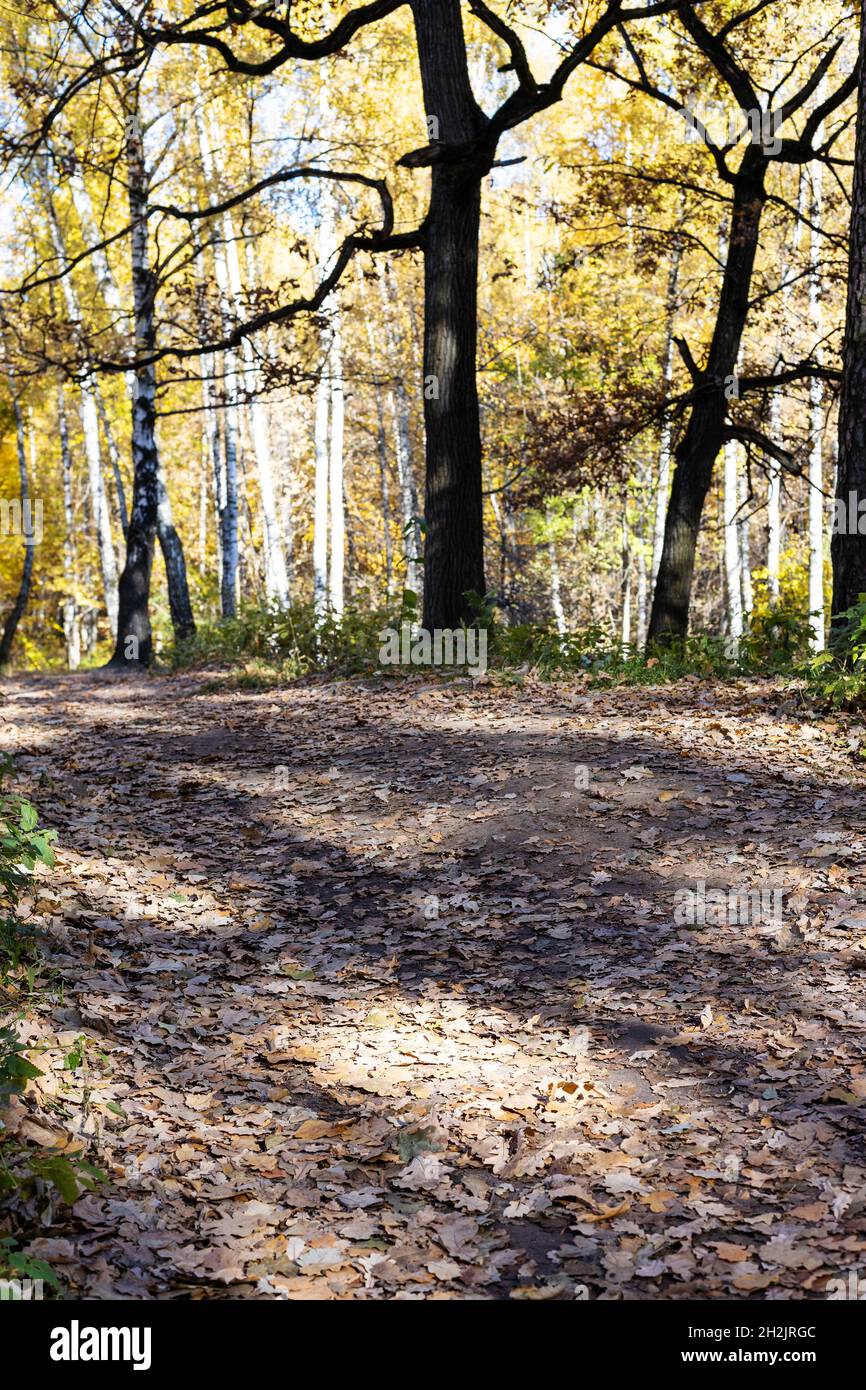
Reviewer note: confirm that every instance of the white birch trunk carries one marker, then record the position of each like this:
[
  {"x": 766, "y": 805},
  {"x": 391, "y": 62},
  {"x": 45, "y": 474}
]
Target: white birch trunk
[
  {"x": 69, "y": 607},
  {"x": 228, "y": 483},
  {"x": 203, "y": 497},
  {"x": 381, "y": 440},
  {"x": 816, "y": 425},
  {"x": 555, "y": 587},
  {"x": 625, "y": 587},
  {"x": 145, "y": 448},
  {"x": 329, "y": 506},
  {"x": 99, "y": 501},
  {"x": 320, "y": 500},
  {"x": 89, "y": 423},
  {"x": 774, "y": 502},
  {"x": 399, "y": 402},
  {"x": 335, "y": 468},
  {"x": 98, "y": 259},
  {"x": 110, "y": 291},
  {"x": 114, "y": 459},
  {"x": 283, "y": 481},
  {"x": 276, "y": 576},
  {"x": 733, "y": 580},
  {"x": 211, "y": 443},
  {"x": 745, "y": 540},
  {"x": 229, "y": 490},
  {"x": 642, "y": 599},
  {"x": 642, "y": 585}
]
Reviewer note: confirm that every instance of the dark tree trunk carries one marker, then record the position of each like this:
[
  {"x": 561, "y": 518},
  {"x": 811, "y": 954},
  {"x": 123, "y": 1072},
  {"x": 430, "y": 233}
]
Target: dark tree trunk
[
  {"x": 454, "y": 549},
  {"x": 848, "y": 548},
  {"x": 134, "y": 642},
  {"x": 182, "y": 620},
  {"x": 705, "y": 432},
  {"x": 17, "y": 613}
]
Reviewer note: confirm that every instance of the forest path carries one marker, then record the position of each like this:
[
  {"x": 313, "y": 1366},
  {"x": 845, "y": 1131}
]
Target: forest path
[{"x": 386, "y": 997}]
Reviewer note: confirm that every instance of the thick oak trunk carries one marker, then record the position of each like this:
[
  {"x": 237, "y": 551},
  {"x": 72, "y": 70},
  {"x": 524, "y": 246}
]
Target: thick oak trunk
[
  {"x": 454, "y": 550},
  {"x": 848, "y": 548},
  {"x": 664, "y": 464}
]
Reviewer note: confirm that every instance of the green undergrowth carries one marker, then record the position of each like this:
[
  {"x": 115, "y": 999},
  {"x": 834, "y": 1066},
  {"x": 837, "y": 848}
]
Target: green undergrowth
[
  {"x": 269, "y": 646},
  {"x": 34, "y": 1180}
]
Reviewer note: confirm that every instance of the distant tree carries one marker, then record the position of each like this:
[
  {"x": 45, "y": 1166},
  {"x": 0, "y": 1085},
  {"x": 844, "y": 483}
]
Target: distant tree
[{"x": 710, "y": 422}]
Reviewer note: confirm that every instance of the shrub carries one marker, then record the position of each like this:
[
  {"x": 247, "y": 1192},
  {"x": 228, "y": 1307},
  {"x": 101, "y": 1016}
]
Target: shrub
[
  {"x": 837, "y": 676},
  {"x": 24, "y": 1171},
  {"x": 289, "y": 642}
]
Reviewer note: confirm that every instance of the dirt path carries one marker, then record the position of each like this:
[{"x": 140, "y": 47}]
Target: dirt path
[{"x": 386, "y": 997}]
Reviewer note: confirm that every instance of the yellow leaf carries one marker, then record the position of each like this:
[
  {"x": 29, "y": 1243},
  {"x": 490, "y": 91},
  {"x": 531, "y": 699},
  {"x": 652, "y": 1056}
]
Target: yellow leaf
[{"x": 314, "y": 1129}]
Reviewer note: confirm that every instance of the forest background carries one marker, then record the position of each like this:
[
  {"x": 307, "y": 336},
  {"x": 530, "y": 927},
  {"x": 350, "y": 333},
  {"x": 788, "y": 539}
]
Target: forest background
[{"x": 291, "y": 460}]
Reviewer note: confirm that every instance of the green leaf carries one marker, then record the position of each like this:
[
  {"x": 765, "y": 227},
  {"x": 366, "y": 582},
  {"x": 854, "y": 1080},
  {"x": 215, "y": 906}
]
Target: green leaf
[
  {"x": 32, "y": 1268},
  {"x": 42, "y": 845},
  {"x": 60, "y": 1172}
]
